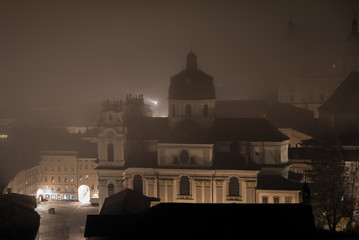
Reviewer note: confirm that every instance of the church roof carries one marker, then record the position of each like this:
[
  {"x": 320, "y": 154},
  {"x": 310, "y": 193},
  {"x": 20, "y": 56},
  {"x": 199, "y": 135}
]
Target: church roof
[
  {"x": 191, "y": 83},
  {"x": 223, "y": 129},
  {"x": 345, "y": 97},
  {"x": 274, "y": 182}
]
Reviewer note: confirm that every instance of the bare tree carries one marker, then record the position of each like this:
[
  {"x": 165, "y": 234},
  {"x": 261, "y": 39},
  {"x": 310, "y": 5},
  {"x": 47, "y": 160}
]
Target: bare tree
[{"x": 330, "y": 186}]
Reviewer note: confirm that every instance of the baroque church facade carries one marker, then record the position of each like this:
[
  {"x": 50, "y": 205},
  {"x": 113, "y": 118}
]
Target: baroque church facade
[{"x": 191, "y": 156}]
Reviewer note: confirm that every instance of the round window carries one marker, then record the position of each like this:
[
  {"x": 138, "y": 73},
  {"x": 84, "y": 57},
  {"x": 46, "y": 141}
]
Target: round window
[{"x": 184, "y": 157}]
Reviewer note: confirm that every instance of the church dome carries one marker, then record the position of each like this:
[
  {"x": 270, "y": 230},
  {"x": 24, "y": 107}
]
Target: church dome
[{"x": 191, "y": 83}]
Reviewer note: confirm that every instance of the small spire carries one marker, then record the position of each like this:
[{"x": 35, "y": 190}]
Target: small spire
[
  {"x": 290, "y": 25},
  {"x": 355, "y": 24},
  {"x": 191, "y": 61}
]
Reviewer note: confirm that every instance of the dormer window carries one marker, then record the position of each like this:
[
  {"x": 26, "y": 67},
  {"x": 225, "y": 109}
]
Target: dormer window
[
  {"x": 188, "y": 111},
  {"x": 205, "y": 110},
  {"x": 184, "y": 157}
]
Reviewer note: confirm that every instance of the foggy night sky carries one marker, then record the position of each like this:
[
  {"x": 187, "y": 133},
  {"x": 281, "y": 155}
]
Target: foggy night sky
[{"x": 70, "y": 52}]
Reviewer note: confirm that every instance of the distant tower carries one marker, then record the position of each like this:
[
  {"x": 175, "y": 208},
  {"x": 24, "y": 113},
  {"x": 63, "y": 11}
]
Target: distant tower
[
  {"x": 191, "y": 96},
  {"x": 351, "y": 59}
]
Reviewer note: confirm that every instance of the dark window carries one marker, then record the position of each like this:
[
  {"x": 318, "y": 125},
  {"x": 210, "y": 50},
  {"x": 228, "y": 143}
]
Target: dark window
[
  {"x": 111, "y": 189},
  {"x": 176, "y": 160},
  {"x": 110, "y": 153},
  {"x": 184, "y": 186},
  {"x": 137, "y": 184},
  {"x": 234, "y": 187},
  {"x": 184, "y": 156},
  {"x": 205, "y": 110},
  {"x": 173, "y": 110},
  {"x": 188, "y": 111}
]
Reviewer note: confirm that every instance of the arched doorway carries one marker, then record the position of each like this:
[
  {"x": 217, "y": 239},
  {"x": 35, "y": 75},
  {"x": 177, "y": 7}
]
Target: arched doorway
[{"x": 84, "y": 194}]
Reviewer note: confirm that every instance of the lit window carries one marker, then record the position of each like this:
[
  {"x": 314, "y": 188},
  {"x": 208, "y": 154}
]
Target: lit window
[{"x": 52, "y": 179}]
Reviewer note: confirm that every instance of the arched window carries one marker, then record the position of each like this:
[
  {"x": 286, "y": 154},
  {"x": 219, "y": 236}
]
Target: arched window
[
  {"x": 137, "y": 184},
  {"x": 184, "y": 157},
  {"x": 188, "y": 111},
  {"x": 184, "y": 186},
  {"x": 173, "y": 110},
  {"x": 110, "y": 153},
  {"x": 205, "y": 110},
  {"x": 233, "y": 187},
  {"x": 111, "y": 189}
]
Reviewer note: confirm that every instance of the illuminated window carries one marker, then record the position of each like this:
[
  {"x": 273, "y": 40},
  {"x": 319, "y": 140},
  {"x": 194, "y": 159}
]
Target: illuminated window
[
  {"x": 52, "y": 179},
  {"x": 66, "y": 188},
  {"x": 275, "y": 199},
  {"x": 137, "y": 184},
  {"x": 184, "y": 186},
  {"x": 205, "y": 110},
  {"x": 110, "y": 153},
  {"x": 188, "y": 111},
  {"x": 111, "y": 189},
  {"x": 65, "y": 179},
  {"x": 234, "y": 187}
]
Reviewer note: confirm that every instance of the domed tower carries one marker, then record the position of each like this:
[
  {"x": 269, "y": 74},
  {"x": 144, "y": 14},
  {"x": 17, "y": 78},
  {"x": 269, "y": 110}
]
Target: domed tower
[
  {"x": 351, "y": 63},
  {"x": 191, "y": 96}
]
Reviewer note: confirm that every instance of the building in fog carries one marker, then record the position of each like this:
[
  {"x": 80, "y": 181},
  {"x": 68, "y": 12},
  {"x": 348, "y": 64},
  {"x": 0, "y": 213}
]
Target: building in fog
[
  {"x": 191, "y": 156},
  {"x": 308, "y": 90},
  {"x": 25, "y": 182},
  {"x": 60, "y": 175}
]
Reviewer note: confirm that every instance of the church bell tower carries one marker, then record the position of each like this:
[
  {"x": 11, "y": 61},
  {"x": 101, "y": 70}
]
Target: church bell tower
[{"x": 111, "y": 135}]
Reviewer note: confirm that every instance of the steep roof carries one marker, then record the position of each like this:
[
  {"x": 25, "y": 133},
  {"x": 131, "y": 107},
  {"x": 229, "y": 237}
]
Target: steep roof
[{"x": 345, "y": 98}]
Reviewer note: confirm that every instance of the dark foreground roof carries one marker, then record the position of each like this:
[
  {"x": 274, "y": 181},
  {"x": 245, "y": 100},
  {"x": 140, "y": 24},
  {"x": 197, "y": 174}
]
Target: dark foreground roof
[
  {"x": 211, "y": 221},
  {"x": 127, "y": 201},
  {"x": 18, "y": 219}
]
